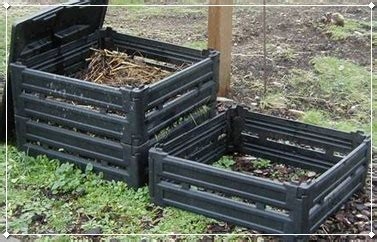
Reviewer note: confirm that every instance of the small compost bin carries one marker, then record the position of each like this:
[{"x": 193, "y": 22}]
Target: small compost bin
[
  {"x": 181, "y": 173},
  {"x": 103, "y": 121}
]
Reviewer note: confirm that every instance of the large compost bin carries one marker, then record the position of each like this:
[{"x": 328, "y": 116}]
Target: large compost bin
[{"x": 80, "y": 92}]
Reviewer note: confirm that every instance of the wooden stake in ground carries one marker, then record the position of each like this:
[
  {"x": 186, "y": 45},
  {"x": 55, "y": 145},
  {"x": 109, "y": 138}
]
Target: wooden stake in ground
[{"x": 220, "y": 38}]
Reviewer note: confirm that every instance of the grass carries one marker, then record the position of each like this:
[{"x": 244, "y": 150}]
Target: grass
[
  {"x": 282, "y": 51},
  {"x": 335, "y": 93},
  {"x": 336, "y": 89},
  {"x": 345, "y": 84},
  {"x": 351, "y": 28},
  {"x": 320, "y": 118},
  {"x": 63, "y": 199},
  {"x": 198, "y": 44}
]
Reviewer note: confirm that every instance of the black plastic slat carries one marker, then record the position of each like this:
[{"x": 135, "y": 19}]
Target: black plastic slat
[
  {"x": 210, "y": 152},
  {"x": 110, "y": 173},
  {"x": 191, "y": 142},
  {"x": 340, "y": 195},
  {"x": 222, "y": 177},
  {"x": 300, "y": 136},
  {"x": 330, "y": 133},
  {"x": 77, "y": 55},
  {"x": 316, "y": 157},
  {"x": 172, "y": 114},
  {"x": 181, "y": 177},
  {"x": 284, "y": 157},
  {"x": 74, "y": 139},
  {"x": 199, "y": 143},
  {"x": 179, "y": 82},
  {"x": 74, "y": 117},
  {"x": 157, "y": 45},
  {"x": 71, "y": 88},
  {"x": 181, "y": 103},
  {"x": 173, "y": 145},
  {"x": 63, "y": 51},
  {"x": 340, "y": 170},
  {"x": 222, "y": 209},
  {"x": 183, "y": 127},
  {"x": 81, "y": 152},
  {"x": 231, "y": 189}
]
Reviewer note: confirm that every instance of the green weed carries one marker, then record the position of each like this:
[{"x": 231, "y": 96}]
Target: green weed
[
  {"x": 225, "y": 162},
  {"x": 175, "y": 220},
  {"x": 283, "y": 51},
  {"x": 288, "y": 54},
  {"x": 273, "y": 100},
  {"x": 46, "y": 195},
  {"x": 314, "y": 117},
  {"x": 262, "y": 163},
  {"x": 55, "y": 239}
]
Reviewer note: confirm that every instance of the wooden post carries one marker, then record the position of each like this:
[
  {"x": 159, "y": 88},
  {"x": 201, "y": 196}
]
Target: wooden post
[{"x": 220, "y": 38}]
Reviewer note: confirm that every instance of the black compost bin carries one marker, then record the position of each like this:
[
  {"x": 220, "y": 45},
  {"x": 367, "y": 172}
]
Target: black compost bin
[
  {"x": 83, "y": 122},
  {"x": 180, "y": 173}
]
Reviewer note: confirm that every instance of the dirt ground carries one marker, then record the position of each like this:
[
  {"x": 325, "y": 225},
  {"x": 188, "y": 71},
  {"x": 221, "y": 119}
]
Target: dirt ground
[
  {"x": 293, "y": 28},
  {"x": 294, "y": 37}
]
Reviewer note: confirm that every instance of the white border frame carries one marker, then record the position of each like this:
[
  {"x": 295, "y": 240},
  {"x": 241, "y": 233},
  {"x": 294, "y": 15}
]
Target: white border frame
[{"x": 371, "y": 234}]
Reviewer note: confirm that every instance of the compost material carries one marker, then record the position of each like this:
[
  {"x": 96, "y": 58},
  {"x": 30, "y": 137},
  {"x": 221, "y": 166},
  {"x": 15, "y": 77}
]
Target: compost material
[
  {"x": 117, "y": 69},
  {"x": 272, "y": 170},
  {"x": 259, "y": 167}
]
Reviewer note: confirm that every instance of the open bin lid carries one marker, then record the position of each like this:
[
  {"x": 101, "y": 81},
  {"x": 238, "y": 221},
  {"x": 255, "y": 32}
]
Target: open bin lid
[
  {"x": 56, "y": 26},
  {"x": 47, "y": 30}
]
